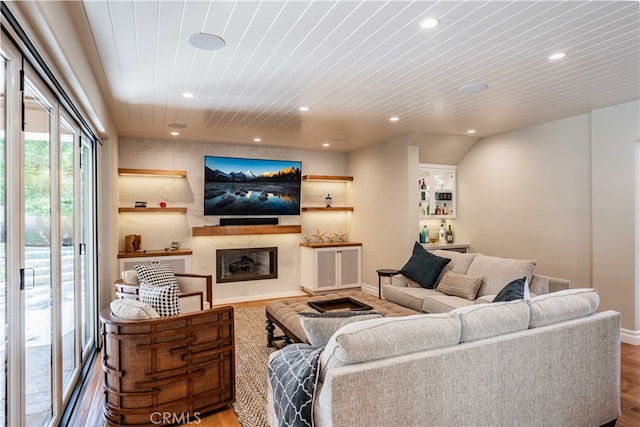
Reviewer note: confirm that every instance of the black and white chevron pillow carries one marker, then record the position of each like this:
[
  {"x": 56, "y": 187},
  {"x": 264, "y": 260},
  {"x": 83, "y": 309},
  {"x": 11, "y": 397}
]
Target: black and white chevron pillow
[{"x": 164, "y": 299}]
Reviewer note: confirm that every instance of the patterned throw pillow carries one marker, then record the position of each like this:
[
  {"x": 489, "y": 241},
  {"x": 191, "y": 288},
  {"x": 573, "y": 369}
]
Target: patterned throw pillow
[
  {"x": 156, "y": 275},
  {"x": 164, "y": 299}
]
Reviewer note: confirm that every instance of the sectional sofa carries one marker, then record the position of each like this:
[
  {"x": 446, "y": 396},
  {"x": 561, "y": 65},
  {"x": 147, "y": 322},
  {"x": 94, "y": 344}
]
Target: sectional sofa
[
  {"x": 551, "y": 360},
  {"x": 494, "y": 273}
]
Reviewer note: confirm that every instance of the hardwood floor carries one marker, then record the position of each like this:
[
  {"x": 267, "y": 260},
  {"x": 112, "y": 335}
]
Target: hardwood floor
[{"x": 90, "y": 410}]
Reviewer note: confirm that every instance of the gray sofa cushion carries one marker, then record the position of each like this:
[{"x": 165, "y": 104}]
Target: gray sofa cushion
[
  {"x": 562, "y": 305},
  {"x": 389, "y": 337},
  {"x": 481, "y": 321},
  {"x": 412, "y": 298},
  {"x": 499, "y": 272},
  {"x": 441, "y": 303},
  {"x": 460, "y": 262}
]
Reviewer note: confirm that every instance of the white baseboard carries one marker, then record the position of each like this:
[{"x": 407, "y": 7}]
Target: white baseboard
[
  {"x": 372, "y": 290},
  {"x": 290, "y": 294},
  {"x": 630, "y": 337}
]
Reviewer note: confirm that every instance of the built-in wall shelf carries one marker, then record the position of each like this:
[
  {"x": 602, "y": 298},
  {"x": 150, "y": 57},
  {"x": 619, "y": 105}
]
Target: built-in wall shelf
[
  {"x": 326, "y": 178},
  {"x": 328, "y": 209},
  {"x": 155, "y": 253},
  {"x": 160, "y": 210},
  {"x": 152, "y": 172},
  {"x": 317, "y": 245},
  {"x": 235, "y": 230}
]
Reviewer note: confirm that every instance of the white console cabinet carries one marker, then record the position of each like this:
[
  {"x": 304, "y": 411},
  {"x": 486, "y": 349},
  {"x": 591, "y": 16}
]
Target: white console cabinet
[
  {"x": 181, "y": 263},
  {"x": 331, "y": 266}
]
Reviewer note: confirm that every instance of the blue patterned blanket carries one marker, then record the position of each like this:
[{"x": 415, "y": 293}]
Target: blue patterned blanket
[{"x": 293, "y": 375}]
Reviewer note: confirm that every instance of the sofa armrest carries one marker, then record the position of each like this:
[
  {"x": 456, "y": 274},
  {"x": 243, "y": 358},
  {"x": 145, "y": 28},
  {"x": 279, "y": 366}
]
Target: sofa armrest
[
  {"x": 188, "y": 283},
  {"x": 556, "y": 284},
  {"x": 398, "y": 280},
  {"x": 539, "y": 285}
]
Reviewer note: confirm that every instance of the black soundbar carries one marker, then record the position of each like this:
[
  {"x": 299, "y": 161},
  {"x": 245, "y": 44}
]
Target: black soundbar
[{"x": 248, "y": 221}]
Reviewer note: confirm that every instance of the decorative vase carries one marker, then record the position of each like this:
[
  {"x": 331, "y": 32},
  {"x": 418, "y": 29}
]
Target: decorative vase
[{"x": 328, "y": 200}]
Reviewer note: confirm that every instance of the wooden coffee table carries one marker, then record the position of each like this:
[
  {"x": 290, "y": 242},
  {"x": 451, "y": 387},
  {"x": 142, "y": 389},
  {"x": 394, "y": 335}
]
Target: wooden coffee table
[{"x": 284, "y": 313}]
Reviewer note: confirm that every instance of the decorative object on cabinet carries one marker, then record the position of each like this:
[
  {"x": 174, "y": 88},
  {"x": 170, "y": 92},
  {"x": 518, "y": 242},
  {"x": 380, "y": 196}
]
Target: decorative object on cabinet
[
  {"x": 330, "y": 266},
  {"x": 437, "y": 189},
  {"x": 319, "y": 236}
]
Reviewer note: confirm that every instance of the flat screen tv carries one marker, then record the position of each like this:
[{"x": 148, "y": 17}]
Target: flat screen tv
[{"x": 237, "y": 186}]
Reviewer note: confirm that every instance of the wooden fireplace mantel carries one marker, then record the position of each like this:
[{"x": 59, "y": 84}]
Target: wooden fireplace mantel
[{"x": 235, "y": 230}]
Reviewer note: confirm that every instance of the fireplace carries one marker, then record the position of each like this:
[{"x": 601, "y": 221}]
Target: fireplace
[{"x": 236, "y": 265}]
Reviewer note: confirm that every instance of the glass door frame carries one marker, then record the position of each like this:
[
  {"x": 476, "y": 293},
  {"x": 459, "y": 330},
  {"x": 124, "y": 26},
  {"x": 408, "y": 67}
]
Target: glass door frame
[{"x": 84, "y": 348}]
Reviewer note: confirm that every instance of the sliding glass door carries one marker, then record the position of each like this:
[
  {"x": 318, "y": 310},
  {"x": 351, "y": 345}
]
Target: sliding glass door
[{"x": 47, "y": 248}]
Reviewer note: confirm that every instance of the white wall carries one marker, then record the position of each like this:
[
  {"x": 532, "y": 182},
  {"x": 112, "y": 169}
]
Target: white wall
[
  {"x": 383, "y": 220},
  {"x": 159, "y": 230},
  {"x": 565, "y": 194},
  {"x": 615, "y": 137},
  {"x": 526, "y": 194}
]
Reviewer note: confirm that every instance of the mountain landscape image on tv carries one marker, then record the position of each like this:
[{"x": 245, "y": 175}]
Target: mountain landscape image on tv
[{"x": 238, "y": 186}]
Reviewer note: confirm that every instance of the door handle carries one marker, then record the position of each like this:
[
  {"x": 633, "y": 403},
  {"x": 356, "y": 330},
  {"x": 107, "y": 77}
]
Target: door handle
[{"x": 22, "y": 281}]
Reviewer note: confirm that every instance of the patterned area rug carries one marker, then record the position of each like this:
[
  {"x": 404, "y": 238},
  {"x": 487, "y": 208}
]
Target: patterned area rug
[{"x": 252, "y": 355}]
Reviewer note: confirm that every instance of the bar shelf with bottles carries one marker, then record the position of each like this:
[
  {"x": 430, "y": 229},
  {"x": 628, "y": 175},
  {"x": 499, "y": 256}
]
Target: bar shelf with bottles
[{"x": 437, "y": 187}]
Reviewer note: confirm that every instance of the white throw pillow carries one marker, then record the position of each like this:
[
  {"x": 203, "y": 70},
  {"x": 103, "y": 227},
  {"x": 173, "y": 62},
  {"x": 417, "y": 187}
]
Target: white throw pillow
[
  {"x": 132, "y": 310},
  {"x": 130, "y": 277}
]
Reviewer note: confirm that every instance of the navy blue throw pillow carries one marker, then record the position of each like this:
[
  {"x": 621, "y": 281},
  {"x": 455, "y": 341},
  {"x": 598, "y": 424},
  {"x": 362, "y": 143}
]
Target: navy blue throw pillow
[
  {"x": 423, "y": 267},
  {"x": 513, "y": 291}
]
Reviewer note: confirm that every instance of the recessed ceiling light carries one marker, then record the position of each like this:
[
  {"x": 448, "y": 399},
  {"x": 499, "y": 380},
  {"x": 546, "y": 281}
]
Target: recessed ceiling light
[
  {"x": 471, "y": 131},
  {"x": 557, "y": 55},
  {"x": 175, "y": 133},
  {"x": 429, "y": 23},
  {"x": 326, "y": 144},
  {"x": 303, "y": 108},
  {"x": 473, "y": 88},
  {"x": 206, "y": 41},
  {"x": 177, "y": 126},
  {"x": 257, "y": 139},
  {"x": 188, "y": 95},
  {"x": 394, "y": 119}
]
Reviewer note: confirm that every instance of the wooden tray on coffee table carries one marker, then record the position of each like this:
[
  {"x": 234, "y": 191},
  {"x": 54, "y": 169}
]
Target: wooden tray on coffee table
[{"x": 338, "y": 304}]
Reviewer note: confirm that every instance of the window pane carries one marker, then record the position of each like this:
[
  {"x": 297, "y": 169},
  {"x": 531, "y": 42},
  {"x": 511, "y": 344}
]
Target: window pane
[
  {"x": 67, "y": 245},
  {"x": 37, "y": 259}
]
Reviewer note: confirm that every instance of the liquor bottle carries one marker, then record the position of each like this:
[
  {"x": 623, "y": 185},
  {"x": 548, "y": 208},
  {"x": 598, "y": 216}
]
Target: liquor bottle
[
  {"x": 423, "y": 185},
  {"x": 423, "y": 235},
  {"x": 442, "y": 235},
  {"x": 449, "y": 235},
  {"x": 444, "y": 210}
]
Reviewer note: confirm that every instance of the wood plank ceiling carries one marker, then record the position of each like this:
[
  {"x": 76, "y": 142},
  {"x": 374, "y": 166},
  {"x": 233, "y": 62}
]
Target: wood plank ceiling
[{"x": 356, "y": 64}]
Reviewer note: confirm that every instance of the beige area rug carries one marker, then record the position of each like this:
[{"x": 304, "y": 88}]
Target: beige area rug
[{"x": 252, "y": 355}]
